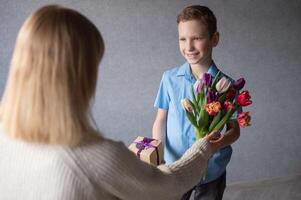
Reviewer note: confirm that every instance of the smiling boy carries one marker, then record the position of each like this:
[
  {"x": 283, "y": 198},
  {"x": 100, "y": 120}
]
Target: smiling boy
[{"x": 197, "y": 37}]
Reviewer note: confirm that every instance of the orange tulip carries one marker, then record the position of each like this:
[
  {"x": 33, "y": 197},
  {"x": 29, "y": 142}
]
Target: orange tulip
[
  {"x": 244, "y": 119},
  {"x": 213, "y": 108}
]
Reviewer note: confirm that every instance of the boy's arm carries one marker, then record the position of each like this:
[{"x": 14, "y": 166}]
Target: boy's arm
[
  {"x": 231, "y": 135},
  {"x": 159, "y": 127}
]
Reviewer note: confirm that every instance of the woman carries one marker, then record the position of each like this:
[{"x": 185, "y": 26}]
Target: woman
[{"x": 48, "y": 147}]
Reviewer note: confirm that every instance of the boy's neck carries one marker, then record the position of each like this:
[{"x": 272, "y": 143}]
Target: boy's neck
[{"x": 199, "y": 69}]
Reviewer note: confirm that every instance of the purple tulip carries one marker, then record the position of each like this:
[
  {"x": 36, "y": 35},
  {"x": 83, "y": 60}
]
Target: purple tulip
[
  {"x": 212, "y": 96},
  {"x": 206, "y": 79},
  {"x": 239, "y": 84}
]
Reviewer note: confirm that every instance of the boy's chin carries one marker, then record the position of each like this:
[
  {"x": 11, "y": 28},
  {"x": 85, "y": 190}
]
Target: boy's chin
[{"x": 192, "y": 62}]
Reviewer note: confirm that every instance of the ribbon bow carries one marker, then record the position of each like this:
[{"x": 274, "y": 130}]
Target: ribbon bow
[{"x": 145, "y": 144}]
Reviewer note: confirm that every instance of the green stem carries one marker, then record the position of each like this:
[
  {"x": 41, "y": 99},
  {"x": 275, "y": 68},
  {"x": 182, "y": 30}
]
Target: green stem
[
  {"x": 200, "y": 133},
  {"x": 224, "y": 120}
]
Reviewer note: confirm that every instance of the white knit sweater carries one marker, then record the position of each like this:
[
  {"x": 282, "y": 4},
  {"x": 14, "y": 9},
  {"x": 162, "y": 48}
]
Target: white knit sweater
[{"x": 104, "y": 170}]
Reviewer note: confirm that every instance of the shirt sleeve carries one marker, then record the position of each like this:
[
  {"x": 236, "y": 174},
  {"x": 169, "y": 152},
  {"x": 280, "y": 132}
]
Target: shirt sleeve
[
  {"x": 123, "y": 175},
  {"x": 162, "y": 99}
]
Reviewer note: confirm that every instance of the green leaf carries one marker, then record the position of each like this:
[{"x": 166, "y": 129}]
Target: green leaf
[
  {"x": 201, "y": 99},
  {"x": 191, "y": 118},
  {"x": 222, "y": 98},
  {"x": 215, "y": 79},
  {"x": 206, "y": 120},
  {"x": 194, "y": 110},
  {"x": 224, "y": 120},
  {"x": 194, "y": 101},
  {"x": 223, "y": 113},
  {"x": 215, "y": 120},
  {"x": 204, "y": 113},
  {"x": 203, "y": 120}
]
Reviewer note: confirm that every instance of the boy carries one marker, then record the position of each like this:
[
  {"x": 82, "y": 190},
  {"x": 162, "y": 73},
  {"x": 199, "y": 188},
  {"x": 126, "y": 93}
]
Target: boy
[{"x": 197, "y": 37}]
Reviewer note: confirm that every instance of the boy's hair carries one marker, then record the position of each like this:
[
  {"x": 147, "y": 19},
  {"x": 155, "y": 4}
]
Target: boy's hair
[
  {"x": 201, "y": 13},
  {"x": 52, "y": 78}
]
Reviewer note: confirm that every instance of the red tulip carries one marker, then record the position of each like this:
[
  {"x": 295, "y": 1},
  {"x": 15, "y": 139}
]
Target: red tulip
[
  {"x": 228, "y": 105},
  {"x": 244, "y": 98},
  {"x": 244, "y": 119},
  {"x": 231, "y": 94}
]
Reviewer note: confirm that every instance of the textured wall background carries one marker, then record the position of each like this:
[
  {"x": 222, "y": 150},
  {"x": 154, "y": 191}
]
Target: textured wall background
[{"x": 259, "y": 41}]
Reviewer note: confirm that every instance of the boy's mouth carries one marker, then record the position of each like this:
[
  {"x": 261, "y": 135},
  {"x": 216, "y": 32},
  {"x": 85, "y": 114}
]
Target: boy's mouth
[{"x": 191, "y": 55}]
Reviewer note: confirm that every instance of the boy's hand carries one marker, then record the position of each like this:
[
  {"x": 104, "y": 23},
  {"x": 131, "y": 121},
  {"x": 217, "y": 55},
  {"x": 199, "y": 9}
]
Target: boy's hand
[{"x": 215, "y": 139}]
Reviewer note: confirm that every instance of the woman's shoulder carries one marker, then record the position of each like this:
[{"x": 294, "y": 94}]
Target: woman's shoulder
[
  {"x": 100, "y": 148},
  {"x": 100, "y": 145},
  {"x": 109, "y": 145},
  {"x": 101, "y": 158}
]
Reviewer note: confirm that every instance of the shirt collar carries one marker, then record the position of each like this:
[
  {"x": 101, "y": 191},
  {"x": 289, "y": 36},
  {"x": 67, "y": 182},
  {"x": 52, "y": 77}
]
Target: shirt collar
[{"x": 185, "y": 70}]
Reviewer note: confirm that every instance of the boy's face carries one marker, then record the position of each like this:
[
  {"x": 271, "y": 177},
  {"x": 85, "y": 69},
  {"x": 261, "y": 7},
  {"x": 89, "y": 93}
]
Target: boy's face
[{"x": 195, "y": 42}]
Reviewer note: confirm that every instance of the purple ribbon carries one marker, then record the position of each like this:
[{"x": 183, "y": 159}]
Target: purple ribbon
[{"x": 145, "y": 144}]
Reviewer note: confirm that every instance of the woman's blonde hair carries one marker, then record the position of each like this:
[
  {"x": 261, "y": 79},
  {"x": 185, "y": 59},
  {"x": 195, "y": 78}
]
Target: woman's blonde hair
[{"x": 52, "y": 78}]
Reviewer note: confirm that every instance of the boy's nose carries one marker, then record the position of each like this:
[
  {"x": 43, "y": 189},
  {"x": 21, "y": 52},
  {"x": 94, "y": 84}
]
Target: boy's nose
[{"x": 189, "y": 45}]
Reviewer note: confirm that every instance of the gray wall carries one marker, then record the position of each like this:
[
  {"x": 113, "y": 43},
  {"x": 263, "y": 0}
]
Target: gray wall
[{"x": 260, "y": 40}]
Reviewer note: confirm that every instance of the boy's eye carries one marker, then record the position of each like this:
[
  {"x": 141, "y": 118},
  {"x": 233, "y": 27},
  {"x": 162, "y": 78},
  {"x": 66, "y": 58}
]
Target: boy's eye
[{"x": 198, "y": 38}]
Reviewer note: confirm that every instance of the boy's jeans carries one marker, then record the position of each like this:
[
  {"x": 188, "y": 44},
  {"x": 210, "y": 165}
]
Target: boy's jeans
[{"x": 210, "y": 191}]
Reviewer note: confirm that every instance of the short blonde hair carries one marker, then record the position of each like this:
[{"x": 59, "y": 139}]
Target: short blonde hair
[{"x": 52, "y": 78}]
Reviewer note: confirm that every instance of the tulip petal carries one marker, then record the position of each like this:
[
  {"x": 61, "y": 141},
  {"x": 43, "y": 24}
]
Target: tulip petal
[{"x": 239, "y": 84}]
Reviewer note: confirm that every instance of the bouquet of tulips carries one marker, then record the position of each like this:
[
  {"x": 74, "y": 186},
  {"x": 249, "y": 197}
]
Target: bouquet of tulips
[{"x": 213, "y": 103}]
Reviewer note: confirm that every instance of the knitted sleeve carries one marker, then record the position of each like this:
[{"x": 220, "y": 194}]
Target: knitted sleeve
[{"x": 117, "y": 170}]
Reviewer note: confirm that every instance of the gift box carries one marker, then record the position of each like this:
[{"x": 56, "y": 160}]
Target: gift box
[{"x": 148, "y": 150}]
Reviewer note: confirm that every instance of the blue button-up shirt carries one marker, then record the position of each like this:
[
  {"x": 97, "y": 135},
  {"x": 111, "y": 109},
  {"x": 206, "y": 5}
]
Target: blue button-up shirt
[{"x": 175, "y": 86}]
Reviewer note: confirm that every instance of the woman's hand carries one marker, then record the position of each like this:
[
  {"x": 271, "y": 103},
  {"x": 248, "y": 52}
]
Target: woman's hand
[{"x": 215, "y": 139}]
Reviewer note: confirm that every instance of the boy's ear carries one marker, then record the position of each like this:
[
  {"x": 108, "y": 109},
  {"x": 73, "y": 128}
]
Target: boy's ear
[{"x": 215, "y": 39}]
